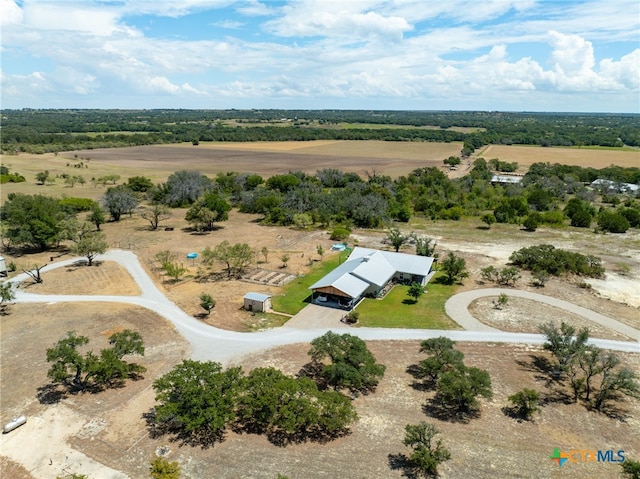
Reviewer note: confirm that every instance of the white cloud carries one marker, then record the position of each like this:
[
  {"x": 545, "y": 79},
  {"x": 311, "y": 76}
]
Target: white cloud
[
  {"x": 625, "y": 73},
  {"x": 337, "y": 50},
  {"x": 336, "y": 18},
  {"x": 254, "y": 8},
  {"x": 70, "y": 16},
  {"x": 10, "y": 13}
]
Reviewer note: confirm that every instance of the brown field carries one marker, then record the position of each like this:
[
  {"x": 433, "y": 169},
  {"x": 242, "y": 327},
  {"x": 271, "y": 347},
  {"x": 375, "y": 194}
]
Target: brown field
[
  {"x": 113, "y": 431},
  {"x": 585, "y": 157},
  {"x": 270, "y": 158}
]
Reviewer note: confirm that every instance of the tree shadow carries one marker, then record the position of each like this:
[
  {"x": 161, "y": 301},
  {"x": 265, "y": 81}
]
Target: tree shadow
[
  {"x": 514, "y": 413},
  {"x": 444, "y": 412},
  {"x": 543, "y": 369},
  {"x": 203, "y": 438},
  {"x": 613, "y": 411},
  {"x": 419, "y": 383},
  {"x": 401, "y": 461},
  {"x": 313, "y": 371},
  {"x": 443, "y": 280},
  {"x": 409, "y": 301},
  {"x": 320, "y": 436},
  {"x": 50, "y": 394}
]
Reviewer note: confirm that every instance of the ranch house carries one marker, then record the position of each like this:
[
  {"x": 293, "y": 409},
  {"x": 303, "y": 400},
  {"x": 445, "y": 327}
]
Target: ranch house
[{"x": 369, "y": 273}]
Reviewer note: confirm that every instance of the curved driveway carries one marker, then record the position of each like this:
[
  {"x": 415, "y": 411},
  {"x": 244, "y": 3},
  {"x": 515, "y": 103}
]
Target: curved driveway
[{"x": 210, "y": 343}]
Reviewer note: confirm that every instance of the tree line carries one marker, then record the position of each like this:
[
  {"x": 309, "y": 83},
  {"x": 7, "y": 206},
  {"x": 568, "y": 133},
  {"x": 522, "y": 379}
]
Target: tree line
[
  {"x": 552, "y": 195},
  {"x": 40, "y": 131}
]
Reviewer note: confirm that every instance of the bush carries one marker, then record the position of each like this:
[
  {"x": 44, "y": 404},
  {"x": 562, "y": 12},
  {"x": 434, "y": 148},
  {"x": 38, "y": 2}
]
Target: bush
[
  {"x": 76, "y": 205},
  {"x": 12, "y": 178},
  {"x": 555, "y": 261},
  {"x": 582, "y": 219},
  {"x": 340, "y": 233},
  {"x": 612, "y": 222},
  {"x": 553, "y": 218},
  {"x": 532, "y": 221},
  {"x": 632, "y": 215}
]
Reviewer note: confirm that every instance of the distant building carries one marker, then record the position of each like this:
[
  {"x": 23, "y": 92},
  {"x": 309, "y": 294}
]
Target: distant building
[
  {"x": 618, "y": 187},
  {"x": 368, "y": 272},
  {"x": 257, "y": 302},
  {"x": 506, "y": 179}
]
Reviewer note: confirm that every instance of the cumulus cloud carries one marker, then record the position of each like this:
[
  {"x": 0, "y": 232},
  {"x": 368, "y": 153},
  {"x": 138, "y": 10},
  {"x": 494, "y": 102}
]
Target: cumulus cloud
[
  {"x": 10, "y": 13},
  {"x": 336, "y": 18},
  {"x": 338, "y": 50}
]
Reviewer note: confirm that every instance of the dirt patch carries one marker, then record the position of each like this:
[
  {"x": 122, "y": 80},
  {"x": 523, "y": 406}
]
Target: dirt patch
[
  {"x": 103, "y": 278},
  {"x": 26, "y": 333},
  {"x": 512, "y": 446},
  {"x": 522, "y": 315},
  {"x": 268, "y": 159}
]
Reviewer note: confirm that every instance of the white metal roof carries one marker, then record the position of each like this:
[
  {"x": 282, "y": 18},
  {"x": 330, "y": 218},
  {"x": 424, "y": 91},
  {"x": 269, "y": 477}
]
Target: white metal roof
[
  {"x": 400, "y": 262},
  {"x": 367, "y": 266},
  {"x": 257, "y": 297}
]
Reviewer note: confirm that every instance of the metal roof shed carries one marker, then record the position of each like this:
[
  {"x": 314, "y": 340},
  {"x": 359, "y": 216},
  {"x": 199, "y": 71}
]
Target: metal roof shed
[{"x": 257, "y": 302}]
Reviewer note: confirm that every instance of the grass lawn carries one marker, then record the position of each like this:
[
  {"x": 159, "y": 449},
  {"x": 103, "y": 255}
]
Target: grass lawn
[
  {"x": 296, "y": 294},
  {"x": 396, "y": 310}
]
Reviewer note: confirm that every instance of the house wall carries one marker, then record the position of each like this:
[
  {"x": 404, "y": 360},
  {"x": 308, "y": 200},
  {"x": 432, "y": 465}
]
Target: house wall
[{"x": 252, "y": 305}]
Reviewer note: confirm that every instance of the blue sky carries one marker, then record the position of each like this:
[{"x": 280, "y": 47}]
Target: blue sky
[{"x": 509, "y": 55}]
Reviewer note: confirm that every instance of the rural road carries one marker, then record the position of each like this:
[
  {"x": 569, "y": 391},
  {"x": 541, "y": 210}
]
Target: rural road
[{"x": 210, "y": 343}]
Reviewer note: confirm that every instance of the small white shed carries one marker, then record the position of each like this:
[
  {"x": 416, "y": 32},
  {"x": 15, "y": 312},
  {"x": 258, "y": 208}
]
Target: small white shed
[
  {"x": 3, "y": 267},
  {"x": 257, "y": 302}
]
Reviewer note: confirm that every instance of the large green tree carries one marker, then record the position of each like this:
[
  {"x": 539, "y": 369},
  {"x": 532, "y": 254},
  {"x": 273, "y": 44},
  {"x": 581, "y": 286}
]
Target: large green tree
[
  {"x": 196, "y": 400},
  {"x": 207, "y": 211},
  {"x": 396, "y": 238},
  {"x": 459, "y": 388},
  {"x": 184, "y": 187},
  {"x": 236, "y": 257},
  {"x": 291, "y": 408},
  {"x": 119, "y": 200},
  {"x": 442, "y": 356},
  {"x": 91, "y": 245},
  {"x": 564, "y": 343},
  {"x": 80, "y": 371},
  {"x": 345, "y": 362},
  {"x": 31, "y": 221}
]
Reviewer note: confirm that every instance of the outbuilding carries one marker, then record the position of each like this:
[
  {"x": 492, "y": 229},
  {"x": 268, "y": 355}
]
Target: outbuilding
[
  {"x": 257, "y": 302},
  {"x": 3, "y": 267}
]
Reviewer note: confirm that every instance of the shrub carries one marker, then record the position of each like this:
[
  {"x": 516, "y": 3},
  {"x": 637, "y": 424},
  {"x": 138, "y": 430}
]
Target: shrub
[
  {"x": 76, "y": 205},
  {"x": 612, "y": 222},
  {"x": 525, "y": 402},
  {"x": 582, "y": 219},
  {"x": 532, "y": 221},
  {"x": 340, "y": 233},
  {"x": 556, "y": 261},
  {"x": 632, "y": 216}
]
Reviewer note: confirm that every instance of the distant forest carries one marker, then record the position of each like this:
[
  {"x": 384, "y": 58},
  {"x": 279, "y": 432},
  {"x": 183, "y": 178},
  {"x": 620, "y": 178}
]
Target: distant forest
[{"x": 42, "y": 131}]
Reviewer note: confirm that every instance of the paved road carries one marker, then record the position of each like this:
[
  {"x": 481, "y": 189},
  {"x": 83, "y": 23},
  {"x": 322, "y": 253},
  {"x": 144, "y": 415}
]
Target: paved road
[{"x": 210, "y": 343}]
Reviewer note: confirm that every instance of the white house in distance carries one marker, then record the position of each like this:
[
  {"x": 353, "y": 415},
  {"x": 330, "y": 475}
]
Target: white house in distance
[{"x": 366, "y": 273}]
